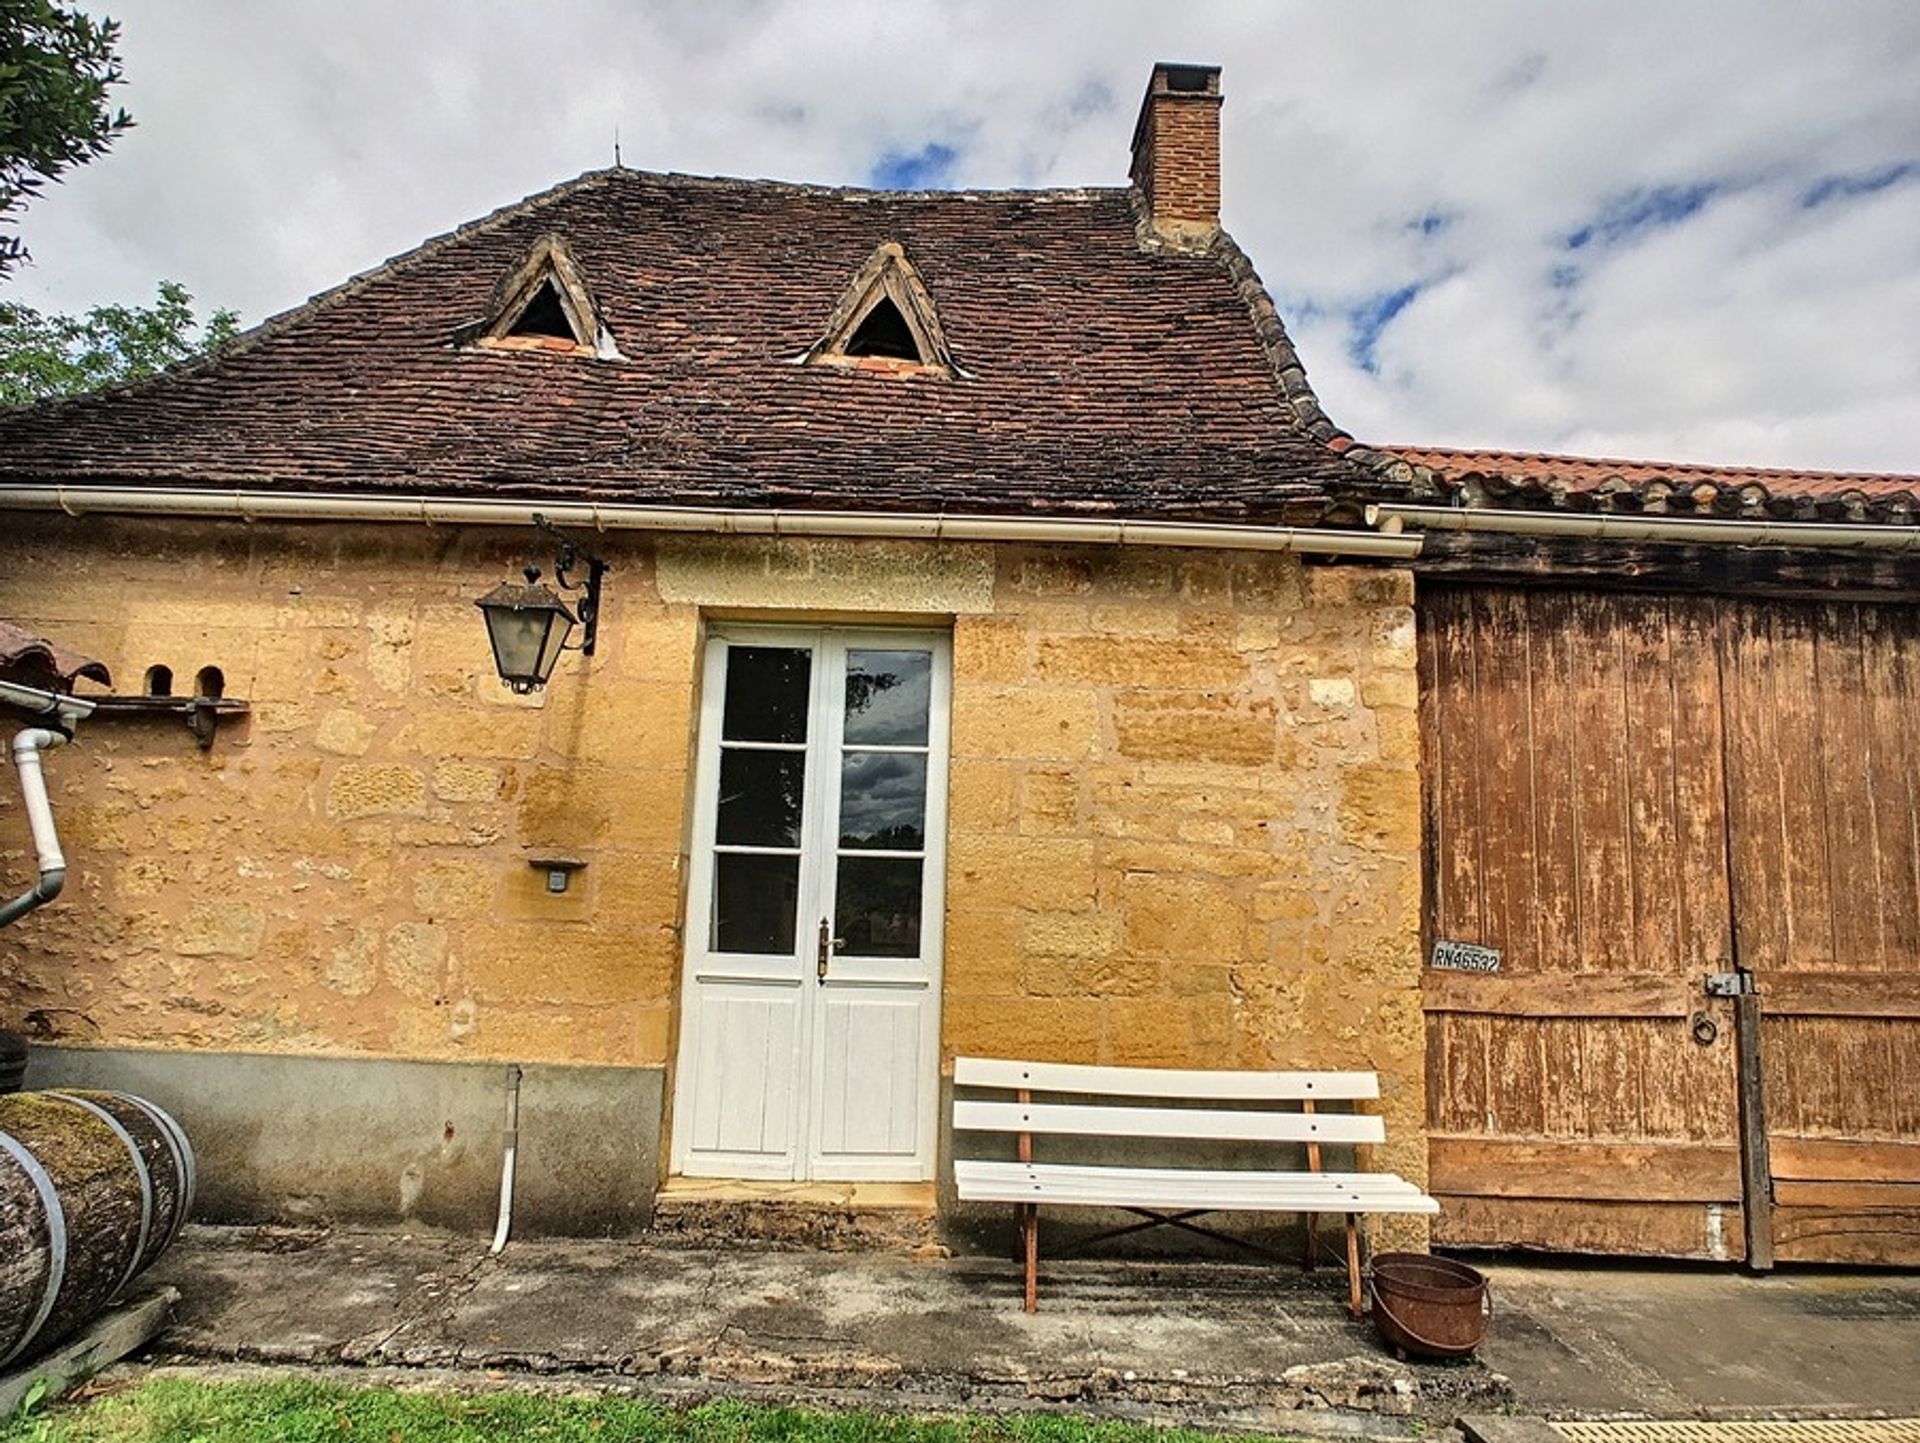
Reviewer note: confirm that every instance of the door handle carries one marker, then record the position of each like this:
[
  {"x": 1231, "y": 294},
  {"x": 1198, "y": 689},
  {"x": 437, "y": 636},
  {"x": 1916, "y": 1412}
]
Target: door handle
[{"x": 829, "y": 944}]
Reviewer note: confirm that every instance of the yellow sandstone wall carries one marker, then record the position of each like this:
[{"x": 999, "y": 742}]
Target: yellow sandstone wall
[{"x": 1184, "y": 815}]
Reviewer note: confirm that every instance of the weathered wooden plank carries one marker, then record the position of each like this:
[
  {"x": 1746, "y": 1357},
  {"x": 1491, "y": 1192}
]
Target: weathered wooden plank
[
  {"x": 1647, "y": 681},
  {"x": 1803, "y": 763},
  {"x": 1753, "y": 786},
  {"x": 1605, "y": 896},
  {"x": 1556, "y": 856},
  {"x": 1708, "y": 1231},
  {"x": 1457, "y": 909},
  {"x": 1548, "y": 994},
  {"x": 1840, "y": 994},
  {"x": 1594, "y": 1171},
  {"x": 1866, "y": 1196},
  {"x": 1458, "y": 557},
  {"x": 1877, "y": 1238},
  {"x": 1819, "y": 1159},
  {"x": 1846, "y": 744}
]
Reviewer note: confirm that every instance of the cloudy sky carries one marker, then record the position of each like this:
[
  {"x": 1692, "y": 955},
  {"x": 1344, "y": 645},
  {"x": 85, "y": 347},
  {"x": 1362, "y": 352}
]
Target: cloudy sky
[{"x": 1679, "y": 231}]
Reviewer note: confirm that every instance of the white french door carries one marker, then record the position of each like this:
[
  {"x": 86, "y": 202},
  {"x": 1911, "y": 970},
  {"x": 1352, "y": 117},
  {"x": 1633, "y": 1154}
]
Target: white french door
[{"x": 809, "y": 1040}]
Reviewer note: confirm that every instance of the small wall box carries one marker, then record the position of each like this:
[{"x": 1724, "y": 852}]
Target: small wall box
[{"x": 559, "y": 871}]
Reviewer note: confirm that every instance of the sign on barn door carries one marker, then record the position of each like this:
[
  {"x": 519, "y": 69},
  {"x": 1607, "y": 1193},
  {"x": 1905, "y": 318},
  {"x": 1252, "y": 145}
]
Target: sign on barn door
[
  {"x": 810, "y": 1026},
  {"x": 1625, "y": 795}
]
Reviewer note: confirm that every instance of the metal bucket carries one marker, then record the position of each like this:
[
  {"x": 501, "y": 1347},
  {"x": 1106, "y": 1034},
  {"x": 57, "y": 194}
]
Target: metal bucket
[
  {"x": 1428, "y": 1306},
  {"x": 13, "y": 1061}
]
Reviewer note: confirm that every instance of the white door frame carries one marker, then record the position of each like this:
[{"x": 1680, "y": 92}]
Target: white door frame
[{"x": 776, "y": 1007}]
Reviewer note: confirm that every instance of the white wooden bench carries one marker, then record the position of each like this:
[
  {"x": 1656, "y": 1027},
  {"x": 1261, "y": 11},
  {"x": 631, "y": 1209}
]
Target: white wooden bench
[{"x": 1105, "y": 1104}]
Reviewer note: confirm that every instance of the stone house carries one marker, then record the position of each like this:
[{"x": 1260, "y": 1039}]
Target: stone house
[{"x": 990, "y": 659}]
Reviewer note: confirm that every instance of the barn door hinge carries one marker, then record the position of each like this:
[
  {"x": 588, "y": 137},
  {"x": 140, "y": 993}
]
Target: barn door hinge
[{"x": 1730, "y": 984}]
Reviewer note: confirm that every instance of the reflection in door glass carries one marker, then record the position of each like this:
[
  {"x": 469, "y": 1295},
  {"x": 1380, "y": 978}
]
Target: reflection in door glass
[
  {"x": 877, "y": 906},
  {"x": 888, "y": 693},
  {"x": 754, "y": 899},
  {"x": 883, "y": 800},
  {"x": 766, "y": 694},
  {"x": 760, "y": 794}
]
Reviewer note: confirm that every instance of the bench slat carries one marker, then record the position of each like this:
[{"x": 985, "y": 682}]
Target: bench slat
[
  {"x": 1171, "y": 1122},
  {"x": 1155, "y": 1188},
  {"x": 1165, "y": 1082}
]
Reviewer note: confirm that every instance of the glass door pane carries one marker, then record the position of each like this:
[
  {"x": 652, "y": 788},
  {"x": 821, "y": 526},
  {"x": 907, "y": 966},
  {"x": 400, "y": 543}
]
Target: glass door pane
[
  {"x": 759, "y": 816},
  {"x": 881, "y": 853}
]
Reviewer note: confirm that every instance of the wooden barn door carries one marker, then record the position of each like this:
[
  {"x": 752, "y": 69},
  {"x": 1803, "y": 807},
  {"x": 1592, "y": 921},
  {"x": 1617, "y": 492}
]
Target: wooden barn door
[
  {"x": 1625, "y": 794},
  {"x": 1584, "y": 1096},
  {"x": 1823, "y": 732}
]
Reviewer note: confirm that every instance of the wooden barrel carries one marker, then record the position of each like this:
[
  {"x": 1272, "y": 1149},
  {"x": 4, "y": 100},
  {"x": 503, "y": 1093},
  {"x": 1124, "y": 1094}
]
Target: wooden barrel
[{"x": 93, "y": 1186}]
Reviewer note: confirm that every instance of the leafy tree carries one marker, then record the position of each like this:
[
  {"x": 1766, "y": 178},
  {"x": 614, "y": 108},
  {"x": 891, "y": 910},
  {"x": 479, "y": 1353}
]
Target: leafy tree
[
  {"x": 57, "y": 355},
  {"x": 56, "y": 66}
]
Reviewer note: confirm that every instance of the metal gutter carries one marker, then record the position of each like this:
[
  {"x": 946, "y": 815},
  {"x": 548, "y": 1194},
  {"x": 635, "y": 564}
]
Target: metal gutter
[
  {"x": 69, "y": 709},
  {"x": 1690, "y": 531},
  {"x": 244, "y": 505}
]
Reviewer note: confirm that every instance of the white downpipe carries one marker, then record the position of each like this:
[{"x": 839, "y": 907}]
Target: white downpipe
[
  {"x": 510, "y": 1147},
  {"x": 1691, "y": 531},
  {"x": 27, "y": 747},
  {"x": 245, "y": 505}
]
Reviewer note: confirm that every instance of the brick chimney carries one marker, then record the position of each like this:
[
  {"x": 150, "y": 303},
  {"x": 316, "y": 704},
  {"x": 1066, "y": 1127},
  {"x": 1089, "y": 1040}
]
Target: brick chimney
[{"x": 1176, "y": 153}]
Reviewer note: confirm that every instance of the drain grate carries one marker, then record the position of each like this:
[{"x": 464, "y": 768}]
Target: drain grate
[{"x": 1815, "y": 1430}]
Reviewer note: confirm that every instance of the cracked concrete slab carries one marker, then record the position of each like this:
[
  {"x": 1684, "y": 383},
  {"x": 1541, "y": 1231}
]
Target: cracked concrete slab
[{"x": 1182, "y": 1340}]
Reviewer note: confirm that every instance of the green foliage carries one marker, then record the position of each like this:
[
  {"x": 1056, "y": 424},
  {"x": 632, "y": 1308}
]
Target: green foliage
[
  {"x": 181, "y": 1410},
  {"x": 56, "y": 355},
  {"x": 56, "y": 66}
]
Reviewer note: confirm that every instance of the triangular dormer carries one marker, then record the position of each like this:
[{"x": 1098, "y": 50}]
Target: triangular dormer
[
  {"x": 885, "y": 322},
  {"x": 544, "y": 304}
]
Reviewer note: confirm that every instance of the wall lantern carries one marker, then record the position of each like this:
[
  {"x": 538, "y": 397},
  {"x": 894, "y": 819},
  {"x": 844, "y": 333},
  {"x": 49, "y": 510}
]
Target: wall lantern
[{"x": 529, "y": 624}]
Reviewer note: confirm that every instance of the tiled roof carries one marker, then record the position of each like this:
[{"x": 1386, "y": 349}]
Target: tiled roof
[
  {"x": 1099, "y": 376},
  {"x": 1519, "y": 479},
  {"x": 29, "y": 659}
]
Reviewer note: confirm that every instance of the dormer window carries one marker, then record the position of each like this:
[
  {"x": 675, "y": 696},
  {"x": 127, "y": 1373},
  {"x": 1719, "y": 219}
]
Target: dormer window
[
  {"x": 544, "y": 304},
  {"x": 885, "y": 322}
]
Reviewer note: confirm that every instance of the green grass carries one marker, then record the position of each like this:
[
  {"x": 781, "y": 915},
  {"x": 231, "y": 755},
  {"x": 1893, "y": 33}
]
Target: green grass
[{"x": 294, "y": 1410}]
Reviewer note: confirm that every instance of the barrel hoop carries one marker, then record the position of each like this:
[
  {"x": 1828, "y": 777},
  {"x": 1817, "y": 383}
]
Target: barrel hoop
[
  {"x": 56, "y": 1239},
  {"x": 182, "y": 1156},
  {"x": 146, "y": 1183}
]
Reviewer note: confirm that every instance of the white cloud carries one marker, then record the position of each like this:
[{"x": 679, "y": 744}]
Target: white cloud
[{"x": 281, "y": 148}]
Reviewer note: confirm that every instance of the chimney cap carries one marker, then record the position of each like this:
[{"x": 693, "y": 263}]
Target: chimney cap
[{"x": 1180, "y": 78}]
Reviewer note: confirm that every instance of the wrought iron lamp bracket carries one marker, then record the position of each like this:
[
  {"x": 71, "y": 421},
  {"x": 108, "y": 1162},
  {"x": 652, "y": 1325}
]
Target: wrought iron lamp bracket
[{"x": 568, "y": 554}]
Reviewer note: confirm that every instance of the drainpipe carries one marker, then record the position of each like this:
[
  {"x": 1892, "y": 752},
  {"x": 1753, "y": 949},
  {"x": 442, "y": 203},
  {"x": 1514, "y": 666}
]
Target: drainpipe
[
  {"x": 510, "y": 1140},
  {"x": 27, "y": 747}
]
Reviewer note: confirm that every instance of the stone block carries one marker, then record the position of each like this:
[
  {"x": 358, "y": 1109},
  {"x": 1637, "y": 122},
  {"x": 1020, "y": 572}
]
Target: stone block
[
  {"x": 981, "y": 796},
  {"x": 344, "y": 733},
  {"x": 213, "y": 929},
  {"x": 1177, "y": 729},
  {"x": 1380, "y": 806},
  {"x": 456, "y": 890},
  {"x": 1046, "y": 1029},
  {"x": 1120, "y": 661},
  {"x": 989, "y": 649},
  {"x": 1390, "y": 689},
  {"x": 1049, "y": 802},
  {"x": 1012, "y": 723},
  {"x": 1092, "y": 977},
  {"x": 467, "y": 782},
  {"x": 1182, "y": 916},
  {"x": 375, "y": 790},
  {"x": 1070, "y": 934},
  {"x": 415, "y": 960},
  {"x": 1053, "y": 873}
]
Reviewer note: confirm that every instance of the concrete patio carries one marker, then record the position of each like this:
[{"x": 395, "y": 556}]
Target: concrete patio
[{"x": 1211, "y": 1344}]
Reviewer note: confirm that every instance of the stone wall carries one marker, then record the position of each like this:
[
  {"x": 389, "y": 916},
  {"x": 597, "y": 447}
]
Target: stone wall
[{"x": 1184, "y": 803}]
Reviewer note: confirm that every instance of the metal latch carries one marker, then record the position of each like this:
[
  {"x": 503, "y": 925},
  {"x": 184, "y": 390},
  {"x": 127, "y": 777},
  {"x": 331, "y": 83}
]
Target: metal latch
[
  {"x": 829, "y": 944},
  {"x": 1730, "y": 984}
]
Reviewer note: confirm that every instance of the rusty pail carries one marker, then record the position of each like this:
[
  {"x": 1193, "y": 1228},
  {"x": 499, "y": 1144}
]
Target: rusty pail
[{"x": 1432, "y": 1307}]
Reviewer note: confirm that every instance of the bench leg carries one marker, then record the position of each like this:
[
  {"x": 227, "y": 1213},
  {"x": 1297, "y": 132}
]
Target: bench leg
[
  {"x": 1309, "y": 1257},
  {"x": 1030, "y": 1236},
  {"x": 1355, "y": 1303}
]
